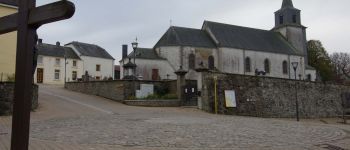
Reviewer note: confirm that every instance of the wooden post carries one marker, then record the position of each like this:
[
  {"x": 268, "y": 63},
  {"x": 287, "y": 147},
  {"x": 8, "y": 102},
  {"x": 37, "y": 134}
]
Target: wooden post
[{"x": 23, "y": 86}]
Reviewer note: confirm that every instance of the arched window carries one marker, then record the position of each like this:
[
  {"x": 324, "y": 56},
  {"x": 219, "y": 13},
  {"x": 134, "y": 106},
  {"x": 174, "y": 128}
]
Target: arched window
[
  {"x": 267, "y": 65},
  {"x": 191, "y": 61},
  {"x": 285, "y": 67},
  {"x": 247, "y": 65},
  {"x": 211, "y": 64}
]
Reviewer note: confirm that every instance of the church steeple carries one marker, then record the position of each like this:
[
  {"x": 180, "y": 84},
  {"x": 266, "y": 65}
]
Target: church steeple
[
  {"x": 287, "y": 15},
  {"x": 287, "y": 3}
]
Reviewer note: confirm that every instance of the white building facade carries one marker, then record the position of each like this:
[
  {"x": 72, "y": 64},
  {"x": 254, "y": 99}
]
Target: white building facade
[
  {"x": 97, "y": 62},
  {"x": 51, "y": 67}
]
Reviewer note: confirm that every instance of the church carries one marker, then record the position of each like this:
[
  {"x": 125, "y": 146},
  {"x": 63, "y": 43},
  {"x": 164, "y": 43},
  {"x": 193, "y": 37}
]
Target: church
[{"x": 279, "y": 53}]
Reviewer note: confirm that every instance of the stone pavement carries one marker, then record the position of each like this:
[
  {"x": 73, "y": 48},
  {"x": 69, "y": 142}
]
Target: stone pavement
[{"x": 74, "y": 121}]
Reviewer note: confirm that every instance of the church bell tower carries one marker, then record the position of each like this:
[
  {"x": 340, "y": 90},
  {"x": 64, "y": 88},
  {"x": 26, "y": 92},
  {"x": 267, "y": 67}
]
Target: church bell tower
[{"x": 288, "y": 23}]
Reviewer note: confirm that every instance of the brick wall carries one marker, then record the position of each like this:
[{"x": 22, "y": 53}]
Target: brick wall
[
  {"x": 271, "y": 97},
  {"x": 7, "y": 95}
]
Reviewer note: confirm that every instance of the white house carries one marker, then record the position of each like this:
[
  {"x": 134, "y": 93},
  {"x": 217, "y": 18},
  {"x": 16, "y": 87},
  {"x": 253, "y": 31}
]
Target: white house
[
  {"x": 97, "y": 62},
  {"x": 51, "y": 67},
  {"x": 232, "y": 49}
]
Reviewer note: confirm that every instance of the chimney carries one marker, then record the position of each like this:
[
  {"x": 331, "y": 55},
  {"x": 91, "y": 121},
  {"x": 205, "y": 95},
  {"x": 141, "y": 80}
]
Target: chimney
[
  {"x": 40, "y": 41},
  {"x": 125, "y": 51},
  {"x": 58, "y": 43}
]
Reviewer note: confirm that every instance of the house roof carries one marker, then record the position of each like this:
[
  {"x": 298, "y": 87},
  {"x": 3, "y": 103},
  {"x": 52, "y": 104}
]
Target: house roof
[
  {"x": 91, "y": 50},
  {"x": 145, "y": 53},
  {"x": 180, "y": 36},
  {"x": 9, "y": 2},
  {"x": 56, "y": 51},
  {"x": 250, "y": 39}
]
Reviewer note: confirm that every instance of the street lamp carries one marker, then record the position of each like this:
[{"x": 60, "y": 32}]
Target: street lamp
[
  {"x": 134, "y": 46},
  {"x": 295, "y": 66}
]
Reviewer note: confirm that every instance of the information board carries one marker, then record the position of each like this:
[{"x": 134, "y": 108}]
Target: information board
[{"x": 230, "y": 98}]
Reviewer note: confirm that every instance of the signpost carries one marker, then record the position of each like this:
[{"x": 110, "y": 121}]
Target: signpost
[{"x": 28, "y": 19}]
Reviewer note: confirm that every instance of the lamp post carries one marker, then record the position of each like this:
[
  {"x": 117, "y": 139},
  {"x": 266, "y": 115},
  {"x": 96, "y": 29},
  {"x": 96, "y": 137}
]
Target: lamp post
[
  {"x": 134, "y": 46},
  {"x": 295, "y": 66}
]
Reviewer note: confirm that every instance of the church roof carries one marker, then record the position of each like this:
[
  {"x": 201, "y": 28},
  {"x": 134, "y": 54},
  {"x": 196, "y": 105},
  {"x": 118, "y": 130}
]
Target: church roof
[
  {"x": 144, "y": 53},
  {"x": 8, "y": 2},
  {"x": 232, "y": 36},
  {"x": 56, "y": 51},
  {"x": 180, "y": 36},
  {"x": 91, "y": 50}
]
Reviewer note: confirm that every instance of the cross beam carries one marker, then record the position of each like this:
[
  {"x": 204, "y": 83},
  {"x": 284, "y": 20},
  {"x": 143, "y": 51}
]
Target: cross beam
[
  {"x": 28, "y": 19},
  {"x": 38, "y": 16}
]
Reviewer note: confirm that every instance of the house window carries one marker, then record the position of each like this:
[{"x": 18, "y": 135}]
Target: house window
[
  {"x": 281, "y": 19},
  {"x": 58, "y": 61},
  {"x": 247, "y": 65},
  {"x": 285, "y": 67},
  {"x": 98, "y": 67},
  {"x": 74, "y": 75},
  {"x": 267, "y": 65},
  {"x": 211, "y": 64},
  {"x": 191, "y": 61},
  {"x": 40, "y": 59},
  {"x": 294, "y": 18},
  {"x": 74, "y": 63},
  {"x": 57, "y": 74}
]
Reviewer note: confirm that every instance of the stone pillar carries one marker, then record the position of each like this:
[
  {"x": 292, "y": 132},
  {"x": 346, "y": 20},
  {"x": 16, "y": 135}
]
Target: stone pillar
[
  {"x": 181, "y": 82},
  {"x": 201, "y": 92}
]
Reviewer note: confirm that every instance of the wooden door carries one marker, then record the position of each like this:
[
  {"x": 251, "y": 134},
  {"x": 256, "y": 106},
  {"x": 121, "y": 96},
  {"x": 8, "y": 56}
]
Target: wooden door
[
  {"x": 155, "y": 74},
  {"x": 40, "y": 75}
]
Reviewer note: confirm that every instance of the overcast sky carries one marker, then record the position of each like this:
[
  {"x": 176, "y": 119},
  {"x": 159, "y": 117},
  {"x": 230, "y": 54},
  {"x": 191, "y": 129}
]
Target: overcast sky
[{"x": 111, "y": 23}]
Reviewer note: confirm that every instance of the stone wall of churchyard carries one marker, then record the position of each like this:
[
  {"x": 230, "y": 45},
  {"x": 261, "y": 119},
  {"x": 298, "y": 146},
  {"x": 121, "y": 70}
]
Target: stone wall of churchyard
[
  {"x": 271, "y": 97},
  {"x": 118, "y": 90},
  {"x": 7, "y": 95}
]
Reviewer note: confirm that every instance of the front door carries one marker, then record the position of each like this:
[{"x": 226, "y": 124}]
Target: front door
[{"x": 40, "y": 75}]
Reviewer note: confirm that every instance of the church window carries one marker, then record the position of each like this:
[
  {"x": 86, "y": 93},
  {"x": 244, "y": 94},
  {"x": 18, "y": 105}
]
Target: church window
[
  {"x": 285, "y": 67},
  {"x": 247, "y": 65},
  {"x": 191, "y": 61},
  {"x": 294, "y": 18},
  {"x": 281, "y": 19},
  {"x": 267, "y": 66},
  {"x": 211, "y": 64}
]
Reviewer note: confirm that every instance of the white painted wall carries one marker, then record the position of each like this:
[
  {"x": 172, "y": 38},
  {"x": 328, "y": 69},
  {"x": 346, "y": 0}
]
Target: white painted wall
[
  {"x": 107, "y": 66},
  {"x": 145, "y": 66},
  {"x": 49, "y": 66}
]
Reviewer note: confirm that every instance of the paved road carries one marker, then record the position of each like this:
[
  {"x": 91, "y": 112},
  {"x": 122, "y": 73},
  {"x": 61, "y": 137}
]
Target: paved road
[{"x": 67, "y": 120}]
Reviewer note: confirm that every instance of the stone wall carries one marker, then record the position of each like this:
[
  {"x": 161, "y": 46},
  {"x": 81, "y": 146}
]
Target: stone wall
[
  {"x": 118, "y": 90},
  {"x": 271, "y": 97},
  {"x": 154, "y": 103},
  {"x": 7, "y": 95}
]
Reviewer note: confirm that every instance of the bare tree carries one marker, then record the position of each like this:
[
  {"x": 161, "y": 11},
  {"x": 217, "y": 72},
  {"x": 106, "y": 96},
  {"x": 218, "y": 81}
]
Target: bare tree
[{"x": 341, "y": 62}]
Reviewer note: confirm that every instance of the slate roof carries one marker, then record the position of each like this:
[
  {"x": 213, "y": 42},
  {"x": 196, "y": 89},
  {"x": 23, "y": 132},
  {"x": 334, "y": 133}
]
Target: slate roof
[
  {"x": 9, "y": 2},
  {"x": 180, "y": 36},
  {"x": 232, "y": 36},
  {"x": 145, "y": 53},
  {"x": 56, "y": 51},
  {"x": 91, "y": 50}
]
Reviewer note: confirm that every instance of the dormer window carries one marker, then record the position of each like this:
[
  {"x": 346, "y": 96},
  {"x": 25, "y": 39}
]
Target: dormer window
[
  {"x": 294, "y": 18},
  {"x": 281, "y": 19}
]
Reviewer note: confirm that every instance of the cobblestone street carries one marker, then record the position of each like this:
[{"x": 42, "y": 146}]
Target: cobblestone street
[{"x": 68, "y": 120}]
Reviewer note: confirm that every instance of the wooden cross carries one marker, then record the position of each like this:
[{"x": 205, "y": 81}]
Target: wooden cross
[{"x": 28, "y": 19}]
